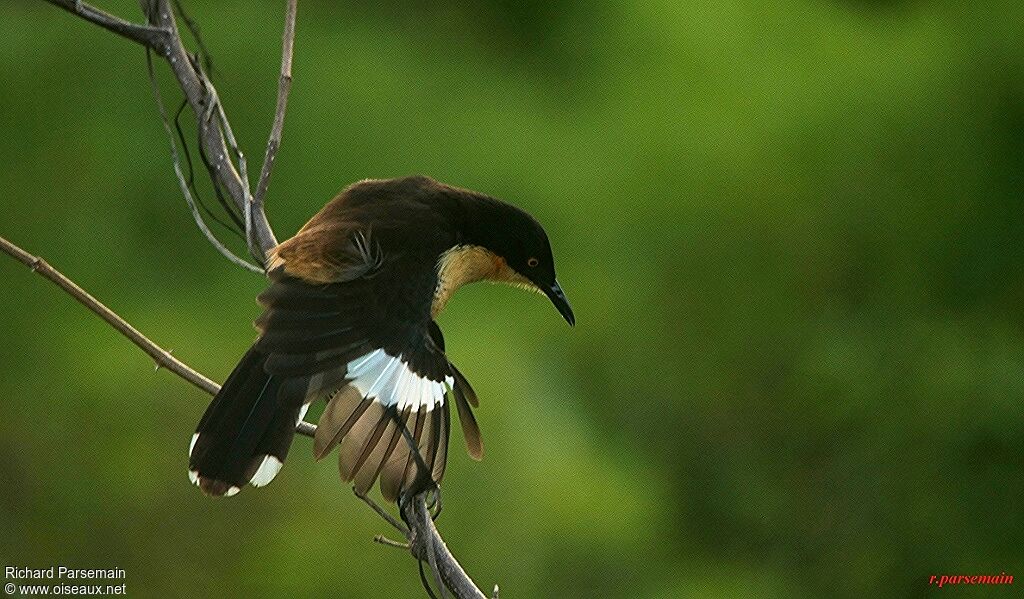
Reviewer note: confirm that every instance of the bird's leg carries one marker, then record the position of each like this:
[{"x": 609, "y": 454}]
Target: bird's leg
[
  {"x": 421, "y": 484},
  {"x": 424, "y": 480}
]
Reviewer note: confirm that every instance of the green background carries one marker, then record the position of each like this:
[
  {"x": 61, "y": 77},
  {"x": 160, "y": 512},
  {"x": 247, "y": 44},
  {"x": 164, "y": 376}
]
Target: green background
[{"x": 792, "y": 232}]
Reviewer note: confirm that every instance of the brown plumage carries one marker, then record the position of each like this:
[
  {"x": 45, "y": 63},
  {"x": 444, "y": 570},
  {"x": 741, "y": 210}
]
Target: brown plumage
[{"x": 349, "y": 319}]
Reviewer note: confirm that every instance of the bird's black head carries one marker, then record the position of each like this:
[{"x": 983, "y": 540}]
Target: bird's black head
[{"x": 519, "y": 243}]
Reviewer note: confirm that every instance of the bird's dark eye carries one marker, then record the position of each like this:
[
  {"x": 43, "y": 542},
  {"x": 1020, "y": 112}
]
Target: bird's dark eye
[{"x": 532, "y": 262}]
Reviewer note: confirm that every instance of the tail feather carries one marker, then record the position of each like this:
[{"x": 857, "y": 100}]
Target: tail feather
[{"x": 246, "y": 432}]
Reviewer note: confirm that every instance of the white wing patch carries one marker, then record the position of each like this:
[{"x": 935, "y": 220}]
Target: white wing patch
[
  {"x": 384, "y": 378},
  {"x": 389, "y": 381}
]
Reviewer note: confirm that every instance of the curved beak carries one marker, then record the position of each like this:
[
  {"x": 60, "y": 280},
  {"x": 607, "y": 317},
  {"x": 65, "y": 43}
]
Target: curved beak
[{"x": 557, "y": 298}]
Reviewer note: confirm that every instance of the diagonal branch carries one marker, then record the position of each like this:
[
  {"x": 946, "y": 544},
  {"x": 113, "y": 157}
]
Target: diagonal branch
[
  {"x": 163, "y": 358},
  {"x": 154, "y": 38},
  {"x": 284, "y": 86},
  {"x": 217, "y": 144},
  {"x": 425, "y": 542},
  {"x": 183, "y": 183},
  {"x": 202, "y": 97}
]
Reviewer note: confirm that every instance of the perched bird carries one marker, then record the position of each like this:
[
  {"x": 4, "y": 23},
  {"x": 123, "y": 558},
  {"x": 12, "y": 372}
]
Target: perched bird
[{"x": 349, "y": 319}]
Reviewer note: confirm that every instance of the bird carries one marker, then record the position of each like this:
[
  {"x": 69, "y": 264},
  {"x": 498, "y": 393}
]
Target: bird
[{"x": 349, "y": 319}]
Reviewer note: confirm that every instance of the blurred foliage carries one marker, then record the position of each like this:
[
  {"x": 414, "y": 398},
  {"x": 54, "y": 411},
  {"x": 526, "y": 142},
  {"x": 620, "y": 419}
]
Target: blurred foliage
[{"x": 792, "y": 232}]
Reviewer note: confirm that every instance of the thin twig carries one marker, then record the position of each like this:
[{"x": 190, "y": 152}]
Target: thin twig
[
  {"x": 425, "y": 583},
  {"x": 193, "y": 28},
  {"x": 305, "y": 429},
  {"x": 154, "y": 38},
  {"x": 389, "y": 542},
  {"x": 243, "y": 169},
  {"x": 162, "y": 357},
  {"x": 183, "y": 183},
  {"x": 229, "y": 207},
  {"x": 402, "y": 528},
  {"x": 191, "y": 171},
  {"x": 197, "y": 88},
  {"x": 284, "y": 86}
]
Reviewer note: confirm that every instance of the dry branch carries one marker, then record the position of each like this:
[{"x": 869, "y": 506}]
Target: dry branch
[
  {"x": 425, "y": 541},
  {"x": 284, "y": 87},
  {"x": 161, "y": 36},
  {"x": 163, "y": 358},
  {"x": 151, "y": 37}
]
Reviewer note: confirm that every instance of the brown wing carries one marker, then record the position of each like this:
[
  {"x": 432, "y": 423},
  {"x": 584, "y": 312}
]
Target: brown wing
[
  {"x": 381, "y": 371},
  {"x": 347, "y": 319}
]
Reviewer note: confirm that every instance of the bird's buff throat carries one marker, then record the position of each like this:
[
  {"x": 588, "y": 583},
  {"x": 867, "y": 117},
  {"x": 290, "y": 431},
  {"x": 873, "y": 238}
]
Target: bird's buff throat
[{"x": 466, "y": 264}]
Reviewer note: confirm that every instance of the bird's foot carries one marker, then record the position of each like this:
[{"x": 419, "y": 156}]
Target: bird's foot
[
  {"x": 422, "y": 486},
  {"x": 434, "y": 503}
]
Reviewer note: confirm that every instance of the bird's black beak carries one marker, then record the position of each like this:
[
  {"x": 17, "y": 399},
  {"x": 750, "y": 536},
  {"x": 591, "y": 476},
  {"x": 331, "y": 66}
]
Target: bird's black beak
[{"x": 557, "y": 298}]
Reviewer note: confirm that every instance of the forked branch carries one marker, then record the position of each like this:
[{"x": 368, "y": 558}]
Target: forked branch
[
  {"x": 161, "y": 36},
  {"x": 284, "y": 86},
  {"x": 424, "y": 540},
  {"x": 151, "y": 37}
]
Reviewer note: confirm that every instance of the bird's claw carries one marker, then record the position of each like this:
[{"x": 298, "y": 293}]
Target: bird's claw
[
  {"x": 433, "y": 498},
  {"x": 434, "y": 503}
]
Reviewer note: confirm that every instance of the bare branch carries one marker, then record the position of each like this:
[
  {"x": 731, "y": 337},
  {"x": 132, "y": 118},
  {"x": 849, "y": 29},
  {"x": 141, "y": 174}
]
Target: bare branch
[
  {"x": 193, "y": 28},
  {"x": 154, "y": 38},
  {"x": 382, "y": 512},
  {"x": 389, "y": 542},
  {"x": 162, "y": 36},
  {"x": 222, "y": 121},
  {"x": 197, "y": 89},
  {"x": 183, "y": 183},
  {"x": 305, "y": 429},
  {"x": 284, "y": 86},
  {"x": 162, "y": 357},
  {"x": 424, "y": 539},
  {"x": 217, "y": 143}
]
